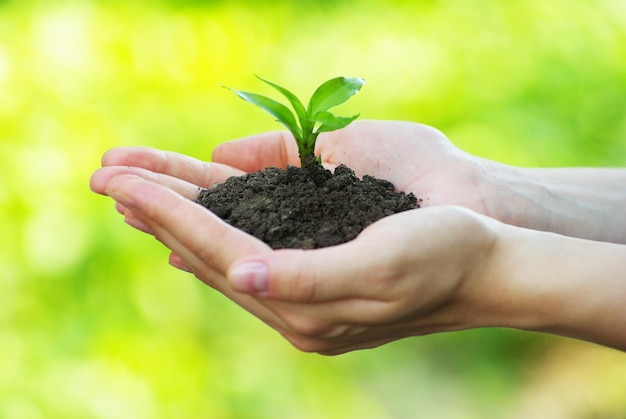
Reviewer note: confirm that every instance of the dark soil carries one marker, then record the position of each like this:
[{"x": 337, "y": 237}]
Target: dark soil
[{"x": 296, "y": 208}]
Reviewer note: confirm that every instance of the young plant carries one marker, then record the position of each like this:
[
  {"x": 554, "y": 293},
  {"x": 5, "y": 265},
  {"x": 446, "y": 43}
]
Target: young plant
[{"x": 307, "y": 123}]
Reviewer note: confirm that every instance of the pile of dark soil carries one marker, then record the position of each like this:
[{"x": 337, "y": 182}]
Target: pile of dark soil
[{"x": 296, "y": 208}]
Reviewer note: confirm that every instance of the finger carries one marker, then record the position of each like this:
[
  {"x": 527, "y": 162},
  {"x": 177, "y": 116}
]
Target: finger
[
  {"x": 170, "y": 163},
  {"x": 133, "y": 221},
  {"x": 310, "y": 276},
  {"x": 203, "y": 251},
  {"x": 185, "y": 259},
  {"x": 101, "y": 177},
  {"x": 250, "y": 154},
  {"x": 170, "y": 215},
  {"x": 182, "y": 258},
  {"x": 332, "y": 349},
  {"x": 185, "y": 256},
  {"x": 339, "y": 350},
  {"x": 340, "y": 344},
  {"x": 178, "y": 262},
  {"x": 121, "y": 208},
  {"x": 204, "y": 243}
]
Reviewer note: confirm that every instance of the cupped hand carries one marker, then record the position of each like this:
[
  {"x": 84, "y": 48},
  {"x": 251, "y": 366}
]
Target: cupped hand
[
  {"x": 413, "y": 273},
  {"x": 400, "y": 277},
  {"x": 409, "y": 274},
  {"x": 415, "y": 158},
  {"x": 176, "y": 171},
  {"x": 201, "y": 243}
]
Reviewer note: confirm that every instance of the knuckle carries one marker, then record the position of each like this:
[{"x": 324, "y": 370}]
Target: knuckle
[
  {"x": 210, "y": 254},
  {"x": 304, "y": 288},
  {"x": 206, "y": 174},
  {"x": 306, "y": 326},
  {"x": 384, "y": 284},
  {"x": 310, "y": 328},
  {"x": 303, "y": 283},
  {"x": 308, "y": 345}
]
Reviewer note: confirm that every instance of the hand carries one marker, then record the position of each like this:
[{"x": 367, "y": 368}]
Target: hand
[
  {"x": 413, "y": 273},
  {"x": 176, "y": 171},
  {"x": 445, "y": 268},
  {"x": 356, "y": 295},
  {"x": 415, "y": 158}
]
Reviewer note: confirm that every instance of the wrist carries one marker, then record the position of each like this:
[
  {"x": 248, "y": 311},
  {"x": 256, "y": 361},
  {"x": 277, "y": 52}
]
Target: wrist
[
  {"x": 484, "y": 297},
  {"x": 574, "y": 202},
  {"x": 549, "y": 283},
  {"x": 513, "y": 197},
  {"x": 506, "y": 287}
]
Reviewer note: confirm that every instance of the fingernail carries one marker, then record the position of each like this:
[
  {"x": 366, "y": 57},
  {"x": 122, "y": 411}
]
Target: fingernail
[
  {"x": 183, "y": 268},
  {"x": 250, "y": 277}
]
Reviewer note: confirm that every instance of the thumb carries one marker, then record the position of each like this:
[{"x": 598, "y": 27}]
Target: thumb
[
  {"x": 277, "y": 149},
  {"x": 305, "y": 276}
]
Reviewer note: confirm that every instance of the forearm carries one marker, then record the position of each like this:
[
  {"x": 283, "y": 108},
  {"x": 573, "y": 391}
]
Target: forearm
[
  {"x": 566, "y": 286},
  {"x": 578, "y": 202}
]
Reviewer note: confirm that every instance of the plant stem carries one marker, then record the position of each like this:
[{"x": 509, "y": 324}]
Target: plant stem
[{"x": 306, "y": 150}]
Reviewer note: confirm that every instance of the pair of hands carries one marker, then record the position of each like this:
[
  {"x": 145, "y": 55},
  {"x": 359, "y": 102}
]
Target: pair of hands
[{"x": 413, "y": 273}]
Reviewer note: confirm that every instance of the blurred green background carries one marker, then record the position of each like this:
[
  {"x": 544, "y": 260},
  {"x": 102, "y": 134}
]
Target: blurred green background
[{"x": 95, "y": 324}]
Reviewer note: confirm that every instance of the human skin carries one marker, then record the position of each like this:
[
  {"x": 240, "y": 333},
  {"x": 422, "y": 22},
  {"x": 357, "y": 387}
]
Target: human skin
[
  {"x": 578, "y": 202},
  {"x": 441, "y": 268}
]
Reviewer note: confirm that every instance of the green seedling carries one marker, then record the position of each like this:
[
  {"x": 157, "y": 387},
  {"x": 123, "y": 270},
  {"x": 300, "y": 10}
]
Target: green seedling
[{"x": 305, "y": 124}]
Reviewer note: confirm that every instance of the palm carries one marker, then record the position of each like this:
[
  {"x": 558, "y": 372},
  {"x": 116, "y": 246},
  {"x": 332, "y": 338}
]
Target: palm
[{"x": 413, "y": 157}]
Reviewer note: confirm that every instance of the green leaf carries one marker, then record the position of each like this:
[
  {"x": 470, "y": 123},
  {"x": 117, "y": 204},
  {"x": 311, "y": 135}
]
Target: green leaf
[
  {"x": 334, "y": 92},
  {"x": 330, "y": 122},
  {"x": 274, "y": 108},
  {"x": 293, "y": 99},
  {"x": 331, "y": 93}
]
